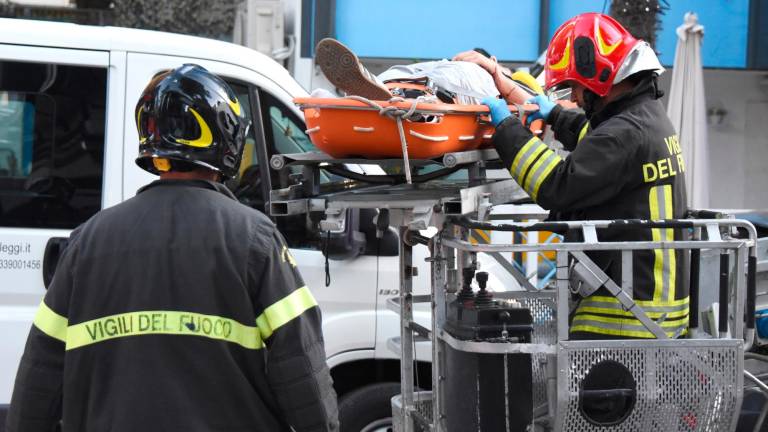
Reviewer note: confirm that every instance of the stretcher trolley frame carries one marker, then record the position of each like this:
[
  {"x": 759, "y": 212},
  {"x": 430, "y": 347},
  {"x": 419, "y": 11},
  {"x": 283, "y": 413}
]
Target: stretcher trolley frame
[{"x": 409, "y": 206}]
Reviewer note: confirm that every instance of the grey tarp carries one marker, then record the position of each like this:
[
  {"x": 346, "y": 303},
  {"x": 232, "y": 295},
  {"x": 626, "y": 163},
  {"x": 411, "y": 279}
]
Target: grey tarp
[{"x": 687, "y": 110}]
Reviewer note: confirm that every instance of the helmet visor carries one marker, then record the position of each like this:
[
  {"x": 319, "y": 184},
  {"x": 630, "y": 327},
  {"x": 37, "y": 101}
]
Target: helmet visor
[
  {"x": 641, "y": 58},
  {"x": 180, "y": 123},
  {"x": 175, "y": 121},
  {"x": 559, "y": 92}
]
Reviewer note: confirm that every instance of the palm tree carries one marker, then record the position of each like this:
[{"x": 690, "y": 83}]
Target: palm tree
[
  {"x": 209, "y": 18},
  {"x": 640, "y": 17}
]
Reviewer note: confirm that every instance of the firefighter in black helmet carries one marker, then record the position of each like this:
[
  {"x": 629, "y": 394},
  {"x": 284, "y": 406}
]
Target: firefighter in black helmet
[
  {"x": 189, "y": 118},
  {"x": 179, "y": 309}
]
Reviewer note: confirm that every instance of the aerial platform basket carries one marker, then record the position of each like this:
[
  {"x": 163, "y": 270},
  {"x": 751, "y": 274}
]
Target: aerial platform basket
[
  {"x": 358, "y": 127},
  {"x": 624, "y": 385}
]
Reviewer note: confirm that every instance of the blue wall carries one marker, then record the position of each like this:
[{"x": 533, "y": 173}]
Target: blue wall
[
  {"x": 562, "y": 10},
  {"x": 725, "y": 27},
  {"x": 725, "y": 31},
  {"x": 439, "y": 28},
  {"x": 428, "y": 29}
]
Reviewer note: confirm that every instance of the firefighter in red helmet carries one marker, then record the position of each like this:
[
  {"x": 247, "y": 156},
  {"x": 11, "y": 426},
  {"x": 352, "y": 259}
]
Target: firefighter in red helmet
[{"x": 624, "y": 163}]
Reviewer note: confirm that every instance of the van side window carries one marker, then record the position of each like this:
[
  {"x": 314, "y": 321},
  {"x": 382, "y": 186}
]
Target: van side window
[
  {"x": 285, "y": 131},
  {"x": 52, "y": 120}
]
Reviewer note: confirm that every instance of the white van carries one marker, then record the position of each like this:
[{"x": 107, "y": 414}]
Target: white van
[{"x": 67, "y": 147}]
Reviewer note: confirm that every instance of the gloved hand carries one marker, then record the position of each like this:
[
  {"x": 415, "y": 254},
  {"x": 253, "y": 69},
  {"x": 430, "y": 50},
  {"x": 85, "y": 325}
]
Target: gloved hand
[
  {"x": 545, "y": 107},
  {"x": 499, "y": 109}
]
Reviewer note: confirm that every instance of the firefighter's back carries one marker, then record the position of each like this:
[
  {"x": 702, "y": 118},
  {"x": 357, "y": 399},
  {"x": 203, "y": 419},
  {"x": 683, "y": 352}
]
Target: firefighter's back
[{"x": 164, "y": 322}]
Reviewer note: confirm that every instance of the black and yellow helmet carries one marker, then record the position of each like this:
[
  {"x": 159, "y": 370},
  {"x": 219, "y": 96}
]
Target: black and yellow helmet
[{"x": 189, "y": 117}]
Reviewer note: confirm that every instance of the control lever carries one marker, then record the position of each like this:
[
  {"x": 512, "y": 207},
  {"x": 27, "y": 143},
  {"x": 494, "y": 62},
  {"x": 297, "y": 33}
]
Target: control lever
[
  {"x": 504, "y": 317},
  {"x": 483, "y": 298},
  {"x": 466, "y": 294}
]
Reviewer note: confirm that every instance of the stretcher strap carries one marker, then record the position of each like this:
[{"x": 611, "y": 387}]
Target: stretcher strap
[
  {"x": 397, "y": 114},
  {"x": 404, "y": 147}
]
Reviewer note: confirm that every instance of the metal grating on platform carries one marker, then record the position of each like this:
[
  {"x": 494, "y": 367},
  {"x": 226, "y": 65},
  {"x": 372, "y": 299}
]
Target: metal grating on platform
[
  {"x": 543, "y": 309},
  {"x": 423, "y": 411},
  {"x": 678, "y": 388}
]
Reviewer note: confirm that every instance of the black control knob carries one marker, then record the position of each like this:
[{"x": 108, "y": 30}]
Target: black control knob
[
  {"x": 482, "y": 279},
  {"x": 466, "y": 295},
  {"x": 483, "y": 298},
  {"x": 468, "y": 273}
]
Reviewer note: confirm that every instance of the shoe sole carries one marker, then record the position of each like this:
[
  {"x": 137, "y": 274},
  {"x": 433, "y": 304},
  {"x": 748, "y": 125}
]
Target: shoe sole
[{"x": 343, "y": 69}]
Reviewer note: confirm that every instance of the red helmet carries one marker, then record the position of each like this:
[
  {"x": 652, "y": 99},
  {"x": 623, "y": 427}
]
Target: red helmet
[{"x": 589, "y": 49}]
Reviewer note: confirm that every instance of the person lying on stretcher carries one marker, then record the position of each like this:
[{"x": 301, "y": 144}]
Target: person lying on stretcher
[{"x": 466, "y": 79}]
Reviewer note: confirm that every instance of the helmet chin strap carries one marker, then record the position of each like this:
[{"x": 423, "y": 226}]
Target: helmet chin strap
[
  {"x": 658, "y": 93},
  {"x": 592, "y": 102}
]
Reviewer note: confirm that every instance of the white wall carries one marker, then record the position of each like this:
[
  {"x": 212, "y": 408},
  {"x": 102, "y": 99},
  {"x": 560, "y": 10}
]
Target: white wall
[{"x": 738, "y": 145}]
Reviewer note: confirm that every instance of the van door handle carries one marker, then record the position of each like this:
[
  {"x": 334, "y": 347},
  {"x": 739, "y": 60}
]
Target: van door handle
[{"x": 53, "y": 250}]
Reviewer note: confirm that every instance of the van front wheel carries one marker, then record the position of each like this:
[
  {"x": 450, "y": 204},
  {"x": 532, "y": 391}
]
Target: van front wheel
[{"x": 368, "y": 409}]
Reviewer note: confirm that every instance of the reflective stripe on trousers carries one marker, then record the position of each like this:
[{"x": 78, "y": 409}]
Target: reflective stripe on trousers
[
  {"x": 624, "y": 326},
  {"x": 605, "y": 315}
]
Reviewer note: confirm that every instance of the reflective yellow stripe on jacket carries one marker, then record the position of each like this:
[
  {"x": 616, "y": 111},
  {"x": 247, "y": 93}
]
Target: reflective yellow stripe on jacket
[
  {"x": 285, "y": 310},
  {"x": 51, "y": 323},
  {"x": 145, "y": 323},
  {"x": 532, "y": 165},
  {"x": 178, "y": 323},
  {"x": 583, "y": 132},
  {"x": 664, "y": 262},
  {"x": 162, "y": 322}
]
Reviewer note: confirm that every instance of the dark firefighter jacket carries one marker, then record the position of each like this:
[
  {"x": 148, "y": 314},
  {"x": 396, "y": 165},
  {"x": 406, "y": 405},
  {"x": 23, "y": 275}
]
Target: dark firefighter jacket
[
  {"x": 625, "y": 162},
  {"x": 177, "y": 310}
]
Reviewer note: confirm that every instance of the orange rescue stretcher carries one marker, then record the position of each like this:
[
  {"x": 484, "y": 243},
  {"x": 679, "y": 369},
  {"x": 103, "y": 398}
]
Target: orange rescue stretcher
[{"x": 352, "y": 127}]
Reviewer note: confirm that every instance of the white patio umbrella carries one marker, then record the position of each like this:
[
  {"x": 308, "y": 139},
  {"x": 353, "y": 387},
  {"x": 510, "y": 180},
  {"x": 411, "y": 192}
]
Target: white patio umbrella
[{"x": 687, "y": 110}]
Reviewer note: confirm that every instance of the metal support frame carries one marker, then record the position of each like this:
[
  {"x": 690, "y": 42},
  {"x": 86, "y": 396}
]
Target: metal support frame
[
  {"x": 406, "y": 334},
  {"x": 416, "y": 207},
  {"x": 438, "y": 261},
  {"x": 562, "y": 300}
]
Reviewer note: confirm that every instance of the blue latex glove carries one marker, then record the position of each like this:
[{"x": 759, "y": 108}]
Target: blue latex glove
[
  {"x": 499, "y": 109},
  {"x": 545, "y": 107}
]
